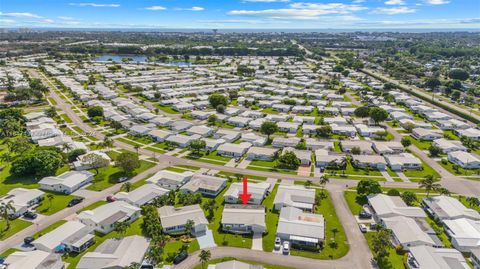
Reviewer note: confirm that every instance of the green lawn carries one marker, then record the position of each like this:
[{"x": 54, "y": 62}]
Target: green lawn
[
  {"x": 140, "y": 139},
  {"x": 271, "y": 220},
  {"x": 426, "y": 170},
  {"x": 215, "y": 261},
  {"x": 108, "y": 176},
  {"x": 269, "y": 166},
  {"x": 423, "y": 145},
  {"x": 16, "y": 225},
  {"x": 392, "y": 260},
  {"x": 130, "y": 142},
  {"x": 167, "y": 109},
  {"x": 66, "y": 118},
  {"x": 50, "y": 207},
  {"x": 460, "y": 171},
  {"x": 335, "y": 246},
  {"x": 211, "y": 157},
  {"x": 172, "y": 249},
  {"x": 355, "y": 204},
  {"x": 226, "y": 239}
]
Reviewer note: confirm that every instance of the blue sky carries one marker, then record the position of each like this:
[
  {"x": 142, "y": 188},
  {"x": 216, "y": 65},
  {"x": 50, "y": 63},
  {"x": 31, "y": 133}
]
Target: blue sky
[{"x": 260, "y": 14}]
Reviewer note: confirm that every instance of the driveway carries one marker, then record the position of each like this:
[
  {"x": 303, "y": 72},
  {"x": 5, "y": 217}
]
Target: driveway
[
  {"x": 257, "y": 241},
  {"x": 387, "y": 176},
  {"x": 206, "y": 240},
  {"x": 303, "y": 171}
]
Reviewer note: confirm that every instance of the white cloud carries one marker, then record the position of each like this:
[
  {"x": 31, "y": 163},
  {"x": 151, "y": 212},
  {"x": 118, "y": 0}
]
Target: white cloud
[
  {"x": 394, "y": 10},
  {"x": 191, "y": 9},
  {"x": 93, "y": 5},
  {"x": 65, "y": 18},
  {"x": 395, "y": 2},
  {"x": 7, "y": 21},
  {"x": 437, "y": 2},
  {"x": 267, "y": 1},
  {"x": 49, "y": 21},
  {"x": 20, "y": 15},
  {"x": 301, "y": 11},
  {"x": 156, "y": 8},
  {"x": 358, "y": 1}
]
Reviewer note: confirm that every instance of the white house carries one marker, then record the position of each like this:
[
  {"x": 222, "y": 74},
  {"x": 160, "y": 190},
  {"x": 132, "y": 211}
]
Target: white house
[
  {"x": 403, "y": 161},
  {"x": 244, "y": 219},
  {"x": 72, "y": 236},
  {"x": 174, "y": 219},
  {"x": 464, "y": 233},
  {"x": 385, "y": 206},
  {"x": 445, "y": 207},
  {"x": 67, "y": 182},
  {"x": 103, "y": 218},
  {"x": 260, "y": 153},
  {"x": 35, "y": 259},
  {"x": 142, "y": 195},
  {"x": 233, "y": 150},
  {"x": 280, "y": 142},
  {"x": 294, "y": 196},
  {"x": 464, "y": 159},
  {"x": 301, "y": 228},
  {"x": 427, "y": 134},
  {"x": 372, "y": 161},
  {"x": 21, "y": 200},
  {"x": 406, "y": 232},
  {"x": 170, "y": 180},
  {"x": 207, "y": 185},
  {"x": 428, "y": 257},
  {"x": 258, "y": 191},
  {"x": 83, "y": 161},
  {"x": 159, "y": 135}
]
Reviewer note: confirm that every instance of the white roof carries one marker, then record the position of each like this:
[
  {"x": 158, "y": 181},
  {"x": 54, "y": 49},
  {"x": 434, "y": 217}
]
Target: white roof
[
  {"x": 257, "y": 190},
  {"x": 110, "y": 213},
  {"x": 35, "y": 259},
  {"x": 70, "y": 231},
  {"x": 204, "y": 182},
  {"x": 446, "y": 207},
  {"x": 407, "y": 230},
  {"x": 141, "y": 195},
  {"x": 389, "y": 206},
  {"x": 20, "y": 197},
  {"x": 295, "y": 196},
  {"x": 465, "y": 231},
  {"x": 245, "y": 215},
  {"x": 439, "y": 258},
  {"x": 295, "y": 222},
  {"x": 68, "y": 179},
  {"x": 170, "y": 176},
  {"x": 176, "y": 216}
]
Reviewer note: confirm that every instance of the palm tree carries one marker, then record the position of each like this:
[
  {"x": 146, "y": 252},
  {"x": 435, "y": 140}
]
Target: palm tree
[
  {"x": 343, "y": 164},
  {"x": 473, "y": 201},
  {"x": 127, "y": 186},
  {"x": 50, "y": 197},
  {"x": 154, "y": 254},
  {"x": 121, "y": 227},
  {"x": 5, "y": 210},
  {"x": 136, "y": 147},
  {"x": 67, "y": 147},
  {"x": 308, "y": 183},
  {"x": 428, "y": 183},
  {"x": 204, "y": 257},
  {"x": 189, "y": 226},
  {"x": 323, "y": 181},
  {"x": 133, "y": 265}
]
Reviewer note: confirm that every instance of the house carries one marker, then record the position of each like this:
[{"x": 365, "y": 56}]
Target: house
[
  {"x": 21, "y": 200},
  {"x": 259, "y": 153},
  {"x": 289, "y": 127},
  {"x": 234, "y": 265},
  {"x": 464, "y": 159},
  {"x": 212, "y": 144},
  {"x": 258, "y": 191},
  {"x": 403, "y": 161},
  {"x": 72, "y": 236},
  {"x": 464, "y": 234},
  {"x": 139, "y": 130},
  {"x": 398, "y": 115},
  {"x": 365, "y": 147},
  {"x": 254, "y": 139},
  {"x": 206, "y": 185},
  {"x": 182, "y": 106},
  {"x": 159, "y": 135},
  {"x": 116, "y": 253},
  {"x": 305, "y": 156},
  {"x": 280, "y": 142},
  {"x": 35, "y": 259},
  {"x": 302, "y": 109},
  {"x": 174, "y": 219},
  {"x": 294, "y": 196},
  {"x": 244, "y": 219},
  {"x": 83, "y": 162},
  {"x": 407, "y": 232},
  {"x": 475, "y": 258},
  {"x": 308, "y": 129},
  {"x": 142, "y": 195},
  {"x": 368, "y": 131},
  {"x": 448, "y": 208},
  {"x": 314, "y": 144},
  {"x": 239, "y": 121},
  {"x": 472, "y": 133},
  {"x": 372, "y": 161},
  {"x": 170, "y": 180},
  {"x": 427, "y": 134},
  {"x": 67, "y": 182},
  {"x": 335, "y": 121},
  {"x": 203, "y": 131},
  {"x": 304, "y": 119},
  {"x": 388, "y": 147},
  {"x": 233, "y": 150},
  {"x": 182, "y": 141},
  {"x": 103, "y": 218},
  {"x": 227, "y": 135},
  {"x": 436, "y": 116},
  {"x": 384, "y": 206},
  {"x": 57, "y": 141},
  {"x": 180, "y": 126},
  {"x": 281, "y": 108},
  {"x": 324, "y": 159},
  {"x": 427, "y": 257},
  {"x": 409, "y": 123},
  {"x": 301, "y": 228}
]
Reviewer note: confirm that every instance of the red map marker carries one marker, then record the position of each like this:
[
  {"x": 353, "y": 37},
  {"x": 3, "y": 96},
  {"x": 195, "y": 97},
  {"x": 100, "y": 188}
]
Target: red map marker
[{"x": 245, "y": 196}]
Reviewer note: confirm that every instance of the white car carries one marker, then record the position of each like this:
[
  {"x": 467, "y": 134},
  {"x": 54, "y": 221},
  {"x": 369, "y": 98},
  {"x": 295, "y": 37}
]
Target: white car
[
  {"x": 278, "y": 243},
  {"x": 363, "y": 228},
  {"x": 286, "y": 247}
]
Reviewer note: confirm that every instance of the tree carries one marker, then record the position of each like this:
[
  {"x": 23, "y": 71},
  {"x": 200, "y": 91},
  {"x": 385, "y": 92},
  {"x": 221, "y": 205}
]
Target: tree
[
  {"x": 405, "y": 141},
  {"x": 127, "y": 161},
  {"x": 410, "y": 198},
  {"x": 133, "y": 265},
  {"x": 197, "y": 145},
  {"x": 268, "y": 128},
  {"x": 116, "y": 125},
  {"x": 324, "y": 131},
  {"x": 19, "y": 145},
  {"x": 456, "y": 95},
  {"x": 95, "y": 111},
  {"x": 381, "y": 243},
  {"x": 368, "y": 186},
  {"x": 220, "y": 108},
  {"x": 473, "y": 201},
  {"x": 127, "y": 186},
  {"x": 39, "y": 163},
  {"x": 362, "y": 112},
  {"x": 459, "y": 74},
  {"x": 378, "y": 114},
  {"x": 189, "y": 226},
  {"x": 323, "y": 181},
  {"x": 50, "y": 197},
  {"x": 73, "y": 155},
  {"x": 212, "y": 119},
  {"x": 434, "y": 150},
  {"x": 432, "y": 83},
  {"x": 154, "y": 254},
  {"x": 356, "y": 151},
  {"x": 5, "y": 210},
  {"x": 393, "y": 192},
  {"x": 289, "y": 160},
  {"x": 217, "y": 99},
  {"x": 204, "y": 257},
  {"x": 428, "y": 183},
  {"x": 95, "y": 161},
  {"x": 121, "y": 227}
]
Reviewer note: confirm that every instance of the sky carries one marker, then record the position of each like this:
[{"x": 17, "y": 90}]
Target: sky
[{"x": 242, "y": 14}]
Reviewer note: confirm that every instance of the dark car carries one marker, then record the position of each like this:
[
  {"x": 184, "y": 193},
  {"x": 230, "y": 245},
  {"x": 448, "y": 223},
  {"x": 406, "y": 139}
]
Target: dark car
[
  {"x": 146, "y": 266},
  {"x": 110, "y": 198},
  {"x": 75, "y": 201},
  {"x": 180, "y": 257},
  {"x": 364, "y": 215},
  {"x": 28, "y": 240},
  {"x": 30, "y": 215}
]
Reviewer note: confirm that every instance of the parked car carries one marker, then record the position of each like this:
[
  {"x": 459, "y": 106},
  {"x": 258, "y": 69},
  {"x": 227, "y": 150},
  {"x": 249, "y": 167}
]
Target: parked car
[
  {"x": 110, "y": 199},
  {"x": 75, "y": 201},
  {"x": 286, "y": 247},
  {"x": 180, "y": 257},
  {"x": 122, "y": 179},
  {"x": 278, "y": 243},
  {"x": 373, "y": 226},
  {"x": 30, "y": 215},
  {"x": 365, "y": 215},
  {"x": 28, "y": 240},
  {"x": 363, "y": 228}
]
